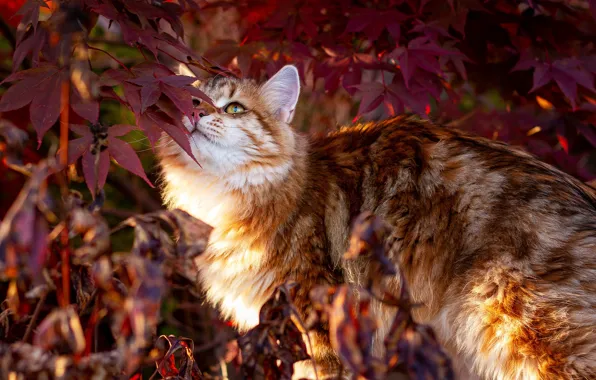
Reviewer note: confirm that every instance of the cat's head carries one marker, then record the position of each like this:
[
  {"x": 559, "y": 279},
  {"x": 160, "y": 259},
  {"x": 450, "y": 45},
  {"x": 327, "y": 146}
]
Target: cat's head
[{"x": 246, "y": 138}]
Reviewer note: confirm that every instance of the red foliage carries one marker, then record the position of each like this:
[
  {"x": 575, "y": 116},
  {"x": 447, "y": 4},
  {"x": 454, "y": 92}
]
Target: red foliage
[
  {"x": 421, "y": 53},
  {"x": 521, "y": 71},
  {"x": 394, "y": 55}
]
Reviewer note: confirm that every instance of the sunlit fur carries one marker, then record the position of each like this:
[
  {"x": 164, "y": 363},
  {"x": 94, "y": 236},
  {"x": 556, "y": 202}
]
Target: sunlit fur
[{"x": 499, "y": 247}]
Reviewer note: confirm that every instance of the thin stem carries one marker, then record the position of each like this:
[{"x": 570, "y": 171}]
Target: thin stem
[
  {"x": 34, "y": 317},
  {"x": 111, "y": 56},
  {"x": 171, "y": 56},
  {"x": 142, "y": 53}
]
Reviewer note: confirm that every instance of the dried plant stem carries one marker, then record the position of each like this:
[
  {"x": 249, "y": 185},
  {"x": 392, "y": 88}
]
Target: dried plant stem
[
  {"x": 36, "y": 312},
  {"x": 224, "y": 369}
]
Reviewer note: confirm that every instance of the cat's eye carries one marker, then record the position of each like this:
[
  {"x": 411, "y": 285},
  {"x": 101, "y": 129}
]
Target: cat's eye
[
  {"x": 196, "y": 102},
  {"x": 235, "y": 107}
]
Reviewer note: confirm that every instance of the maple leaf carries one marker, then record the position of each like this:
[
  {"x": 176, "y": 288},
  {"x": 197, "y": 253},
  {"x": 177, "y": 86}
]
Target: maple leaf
[
  {"x": 224, "y": 52},
  {"x": 41, "y": 87},
  {"x": 24, "y": 229},
  {"x": 394, "y": 97},
  {"x": 96, "y": 146},
  {"x": 32, "y": 41},
  {"x": 372, "y": 22},
  {"x": 293, "y": 19},
  {"x": 143, "y": 88},
  {"x": 567, "y": 73},
  {"x": 421, "y": 53},
  {"x": 372, "y": 96},
  {"x": 345, "y": 67},
  {"x": 30, "y": 13}
]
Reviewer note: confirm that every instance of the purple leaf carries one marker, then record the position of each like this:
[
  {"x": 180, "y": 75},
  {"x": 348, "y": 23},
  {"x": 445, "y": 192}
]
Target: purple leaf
[
  {"x": 19, "y": 94},
  {"x": 22, "y": 49},
  {"x": 568, "y": 86},
  {"x": 87, "y": 109},
  {"x": 81, "y": 130},
  {"x": 120, "y": 129},
  {"x": 45, "y": 107},
  {"x": 126, "y": 157},
  {"x": 178, "y": 80},
  {"x": 542, "y": 76},
  {"x": 372, "y": 96},
  {"x": 525, "y": 62},
  {"x": 178, "y": 134},
  {"x": 151, "y": 128},
  {"x": 89, "y": 165},
  {"x": 180, "y": 97},
  {"x": 39, "y": 72},
  {"x": 77, "y": 147},
  {"x": 133, "y": 97},
  {"x": 199, "y": 94},
  {"x": 150, "y": 92}
]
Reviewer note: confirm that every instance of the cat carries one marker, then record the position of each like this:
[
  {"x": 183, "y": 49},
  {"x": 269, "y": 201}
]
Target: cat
[{"x": 498, "y": 247}]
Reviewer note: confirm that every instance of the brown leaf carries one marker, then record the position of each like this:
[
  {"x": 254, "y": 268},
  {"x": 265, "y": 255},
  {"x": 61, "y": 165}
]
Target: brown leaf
[
  {"x": 178, "y": 360},
  {"x": 351, "y": 330},
  {"x": 94, "y": 230},
  {"x": 272, "y": 347},
  {"x": 61, "y": 326},
  {"x": 24, "y": 229}
]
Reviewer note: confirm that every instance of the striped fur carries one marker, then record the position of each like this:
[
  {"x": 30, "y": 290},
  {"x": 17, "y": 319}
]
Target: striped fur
[{"x": 498, "y": 246}]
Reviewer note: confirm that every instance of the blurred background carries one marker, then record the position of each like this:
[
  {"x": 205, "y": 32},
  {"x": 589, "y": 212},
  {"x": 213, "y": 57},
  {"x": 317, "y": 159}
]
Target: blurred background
[{"x": 516, "y": 71}]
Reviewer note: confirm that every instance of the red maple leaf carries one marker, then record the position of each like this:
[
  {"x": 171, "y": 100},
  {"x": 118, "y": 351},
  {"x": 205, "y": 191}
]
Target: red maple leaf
[
  {"x": 567, "y": 73},
  {"x": 372, "y": 22},
  {"x": 344, "y": 66},
  {"x": 421, "y": 53},
  {"x": 143, "y": 88},
  {"x": 41, "y": 87}
]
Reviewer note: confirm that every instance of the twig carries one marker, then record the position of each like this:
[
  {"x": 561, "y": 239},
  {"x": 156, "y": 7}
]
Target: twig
[
  {"x": 171, "y": 56},
  {"x": 111, "y": 56},
  {"x": 36, "y": 312},
  {"x": 224, "y": 368}
]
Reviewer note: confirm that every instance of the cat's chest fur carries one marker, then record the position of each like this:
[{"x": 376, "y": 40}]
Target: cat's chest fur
[{"x": 231, "y": 269}]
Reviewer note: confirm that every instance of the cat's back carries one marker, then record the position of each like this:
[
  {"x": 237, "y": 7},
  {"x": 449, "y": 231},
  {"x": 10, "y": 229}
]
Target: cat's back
[
  {"x": 499, "y": 246},
  {"x": 408, "y": 155}
]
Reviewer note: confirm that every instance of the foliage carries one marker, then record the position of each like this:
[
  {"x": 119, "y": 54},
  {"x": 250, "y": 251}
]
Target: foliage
[
  {"x": 93, "y": 274},
  {"x": 527, "y": 66}
]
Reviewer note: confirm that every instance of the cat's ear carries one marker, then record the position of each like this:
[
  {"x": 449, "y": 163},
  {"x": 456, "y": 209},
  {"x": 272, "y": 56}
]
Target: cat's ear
[{"x": 282, "y": 91}]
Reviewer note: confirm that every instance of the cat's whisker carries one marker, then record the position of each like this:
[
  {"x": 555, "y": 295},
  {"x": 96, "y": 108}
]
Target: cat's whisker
[{"x": 158, "y": 145}]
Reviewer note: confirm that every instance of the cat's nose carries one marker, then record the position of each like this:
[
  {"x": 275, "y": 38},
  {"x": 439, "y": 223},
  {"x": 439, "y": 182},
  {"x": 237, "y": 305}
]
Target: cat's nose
[{"x": 198, "y": 113}]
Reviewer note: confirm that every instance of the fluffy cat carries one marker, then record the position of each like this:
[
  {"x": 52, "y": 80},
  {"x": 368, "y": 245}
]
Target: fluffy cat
[{"x": 499, "y": 247}]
